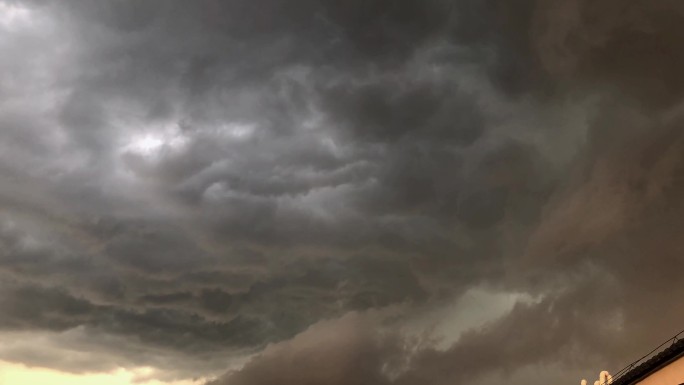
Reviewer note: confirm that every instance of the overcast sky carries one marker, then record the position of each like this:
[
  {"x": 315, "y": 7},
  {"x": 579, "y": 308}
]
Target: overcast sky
[{"x": 328, "y": 192}]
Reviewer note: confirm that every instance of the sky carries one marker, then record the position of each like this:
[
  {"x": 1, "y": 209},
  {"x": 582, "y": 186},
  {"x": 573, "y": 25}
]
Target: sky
[{"x": 383, "y": 192}]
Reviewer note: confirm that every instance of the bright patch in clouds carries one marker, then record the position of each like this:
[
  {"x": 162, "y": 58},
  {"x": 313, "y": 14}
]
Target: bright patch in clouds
[
  {"x": 146, "y": 144},
  {"x": 472, "y": 310},
  {"x": 13, "y": 374},
  {"x": 153, "y": 143},
  {"x": 238, "y": 130},
  {"x": 13, "y": 16}
]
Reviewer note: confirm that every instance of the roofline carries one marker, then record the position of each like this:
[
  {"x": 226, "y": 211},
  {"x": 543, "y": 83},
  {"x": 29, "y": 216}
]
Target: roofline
[
  {"x": 667, "y": 352},
  {"x": 658, "y": 366}
]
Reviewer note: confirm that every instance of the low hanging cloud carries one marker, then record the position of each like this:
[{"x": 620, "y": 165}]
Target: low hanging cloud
[
  {"x": 343, "y": 351},
  {"x": 293, "y": 192}
]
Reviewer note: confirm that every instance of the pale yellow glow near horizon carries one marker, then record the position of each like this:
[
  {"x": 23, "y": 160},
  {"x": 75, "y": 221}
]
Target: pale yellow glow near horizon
[{"x": 16, "y": 374}]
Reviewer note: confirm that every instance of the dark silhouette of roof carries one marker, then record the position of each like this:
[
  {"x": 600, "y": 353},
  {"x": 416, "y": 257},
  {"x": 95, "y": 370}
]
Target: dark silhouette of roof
[{"x": 645, "y": 366}]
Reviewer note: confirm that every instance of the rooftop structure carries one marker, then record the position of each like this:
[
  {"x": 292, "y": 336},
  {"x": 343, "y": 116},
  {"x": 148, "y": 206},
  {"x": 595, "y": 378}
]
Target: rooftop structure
[{"x": 664, "y": 365}]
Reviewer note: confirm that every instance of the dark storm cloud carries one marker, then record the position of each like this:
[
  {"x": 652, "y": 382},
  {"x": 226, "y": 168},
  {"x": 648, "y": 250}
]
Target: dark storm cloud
[
  {"x": 184, "y": 183},
  {"x": 631, "y": 46},
  {"x": 345, "y": 351},
  {"x": 542, "y": 333}
]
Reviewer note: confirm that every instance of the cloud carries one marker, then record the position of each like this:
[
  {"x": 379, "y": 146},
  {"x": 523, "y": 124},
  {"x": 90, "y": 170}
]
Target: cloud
[
  {"x": 191, "y": 185},
  {"x": 343, "y": 351},
  {"x": 631, "y": 47}
]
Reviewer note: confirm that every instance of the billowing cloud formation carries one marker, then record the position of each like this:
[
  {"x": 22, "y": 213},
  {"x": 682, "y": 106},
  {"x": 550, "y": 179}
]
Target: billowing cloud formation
[
  {"x": 296, "y": 192},
  {"x": 345, "y": 351}
]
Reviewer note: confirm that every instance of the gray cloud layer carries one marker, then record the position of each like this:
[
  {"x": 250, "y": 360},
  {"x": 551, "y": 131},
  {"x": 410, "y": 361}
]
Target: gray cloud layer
[{"x": 192, "y": 185}]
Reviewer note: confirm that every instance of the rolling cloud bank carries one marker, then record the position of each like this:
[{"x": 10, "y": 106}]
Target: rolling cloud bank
[{"x": 340, "y": 192}]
